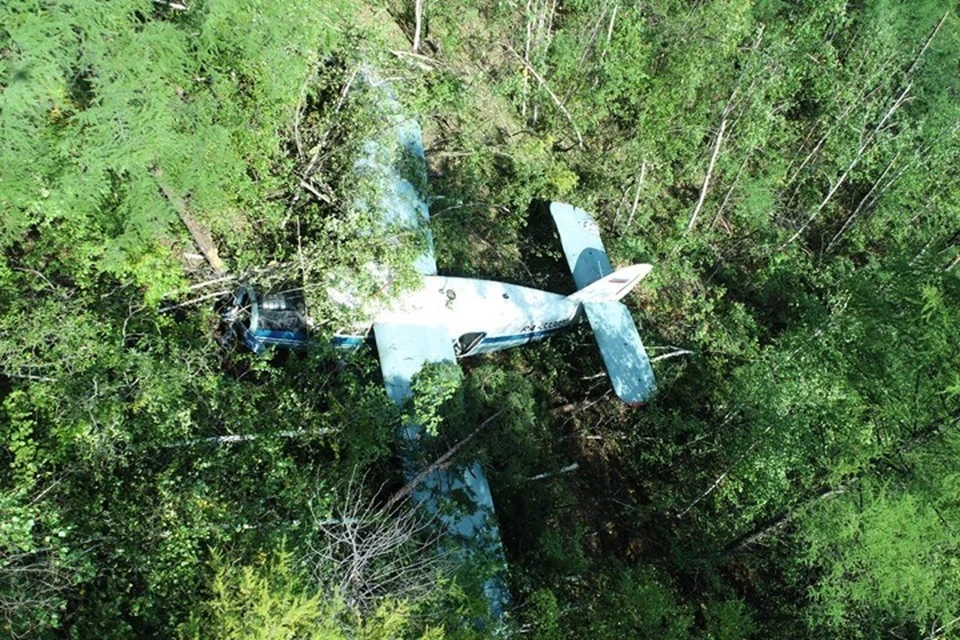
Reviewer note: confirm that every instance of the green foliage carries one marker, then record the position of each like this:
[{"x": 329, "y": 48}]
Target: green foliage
[
  {"x": 796, "y": 475},
  {"x": 728, "y": 620},
  {"x": 38, "y": 565},
  {"x": 265, "y": 603},
  {"x": 545, "y": 615},
  {"x": 435, "y": 385},
  {"x": 888, "y": 559},
  {"x": 101, "y": 97},
  {"x": 267, "y": 600},
  {"x": 635, "y": 602}
]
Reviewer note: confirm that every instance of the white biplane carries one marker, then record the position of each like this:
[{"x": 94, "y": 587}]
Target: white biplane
[{"x": 449, "y": 318}]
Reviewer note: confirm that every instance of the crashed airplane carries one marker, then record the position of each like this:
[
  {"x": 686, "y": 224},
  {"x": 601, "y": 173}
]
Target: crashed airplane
[{"x": 449, "y": 318}]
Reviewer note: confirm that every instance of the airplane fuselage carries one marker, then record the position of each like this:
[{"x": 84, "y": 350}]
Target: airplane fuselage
[{"x": 480, "y": 315}]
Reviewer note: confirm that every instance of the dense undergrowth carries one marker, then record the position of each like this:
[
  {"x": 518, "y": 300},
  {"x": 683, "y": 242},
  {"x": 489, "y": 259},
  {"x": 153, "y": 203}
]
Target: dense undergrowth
[{"x": 790, "y": 169}]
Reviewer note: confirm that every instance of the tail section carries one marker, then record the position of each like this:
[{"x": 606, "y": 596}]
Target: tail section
[
  {"x": 614, "y": 286},
  {"x": 600, "y": 288},
  {"x": 580, "y": 237},
  {"x": 623, "y": 354}
]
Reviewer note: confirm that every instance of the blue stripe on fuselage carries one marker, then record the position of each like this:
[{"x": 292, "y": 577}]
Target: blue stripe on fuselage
[
  {"x": 283, "y": 338},
  {"x": 519, "y": 338}
]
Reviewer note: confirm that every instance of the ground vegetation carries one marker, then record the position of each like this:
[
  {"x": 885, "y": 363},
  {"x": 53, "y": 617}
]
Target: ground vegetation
[{"x": 789, "y": 168}]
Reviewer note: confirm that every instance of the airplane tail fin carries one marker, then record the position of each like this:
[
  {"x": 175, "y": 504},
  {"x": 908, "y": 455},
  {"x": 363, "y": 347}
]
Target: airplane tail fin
[
  {"x": 614, "y": 286},
  {"x": 600, "y": 289}
]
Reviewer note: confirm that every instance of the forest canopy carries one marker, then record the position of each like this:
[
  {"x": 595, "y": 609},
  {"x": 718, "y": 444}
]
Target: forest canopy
[{"x": 791, "y": 170}]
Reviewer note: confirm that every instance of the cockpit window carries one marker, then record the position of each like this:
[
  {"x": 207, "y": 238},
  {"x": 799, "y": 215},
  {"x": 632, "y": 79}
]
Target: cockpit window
[{"x": 467, "y": 343}]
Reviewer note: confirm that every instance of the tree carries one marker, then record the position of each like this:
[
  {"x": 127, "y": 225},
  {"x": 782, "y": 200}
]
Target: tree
[{"x": 267, "y": 601}]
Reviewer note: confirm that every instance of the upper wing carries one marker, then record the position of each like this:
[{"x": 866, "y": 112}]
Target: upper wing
[
  {"x": 393, "y": 162},
  {"x": 458, "y": 497}
]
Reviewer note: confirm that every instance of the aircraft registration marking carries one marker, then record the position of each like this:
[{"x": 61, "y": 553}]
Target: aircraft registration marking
[{"x": 542, "y": 326}]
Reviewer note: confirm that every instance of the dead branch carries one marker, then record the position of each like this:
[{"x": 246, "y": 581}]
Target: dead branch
[
  {"x": 853, "y": 216},
  {"x": 714, "y": 485},
  {"x": 786, "y": 517},
  {"x": 672, "y": 354},
  {"x": 312, "y": 165},
  {"x": 853, "y": 163},
  {"x": 870, "y": 137},
  {"x": 200, "y": 285},
  {"x": 439, "y": 463},
  {"x": 173, "y": 5},
  {"x": 706, "y": 181},
  {"x": 613, "y": 18},
  {"x": 549, "y": 474},
  {"x": 27, "y": 376},
  {"x": 926, "y": 44},
  {"x": 365, "y": 553},
  {"x": 234, "y": 438},
  {"x": 418, "y": 23},
  {"x": 860, "y": 99},
  {"x": 209, "y": 296},
  {"x": 32, "y": 582},
  {"x": 526, "y": 56},
  {"x": 873, "y": 196},
  {"x": 636, "y": 197},
  {"x": 425, "y": 63},
  {"x": 722, "y": 476},
  {"x": 199, "y": 233},
  {"x": 826, "y": 493},
  {"x": 592, "y": 38},
  {"x": 313, "y": 190},
  {"x": 726, "y": 198},
  {"x": 937, "y": 632}
]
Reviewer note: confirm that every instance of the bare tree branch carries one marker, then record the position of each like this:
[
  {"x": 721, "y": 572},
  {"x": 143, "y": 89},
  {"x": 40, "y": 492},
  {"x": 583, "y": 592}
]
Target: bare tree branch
[
  {"x": 549, "y": 474},
  {"x": 706, "y": 180},
  {"x": 926, "y": 44},
  {"x": 199, "y": 233},
  {"x": 439, "y": 463},
  {"x": 365, "y": 553},
  {"x": 726, "y": 198},
  {"x": 418, "y": 23},
  {"x": 672, "y": 354},
  {"x": 636, "y": 197},
  {"x": 853, "y": 163},
  {"x": 173, "y": 5},
  {"x": 853, "y": 216},
  {"x": 553, "y": 96},
  {"x": 209, "y": 296}
]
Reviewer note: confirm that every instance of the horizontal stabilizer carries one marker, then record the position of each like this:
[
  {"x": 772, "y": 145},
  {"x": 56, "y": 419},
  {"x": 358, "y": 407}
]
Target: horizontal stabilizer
[
  {"x": 623, "y": 354},
  {"x": 580, "y": 237},
  {"x": 614, "y": 286}
]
